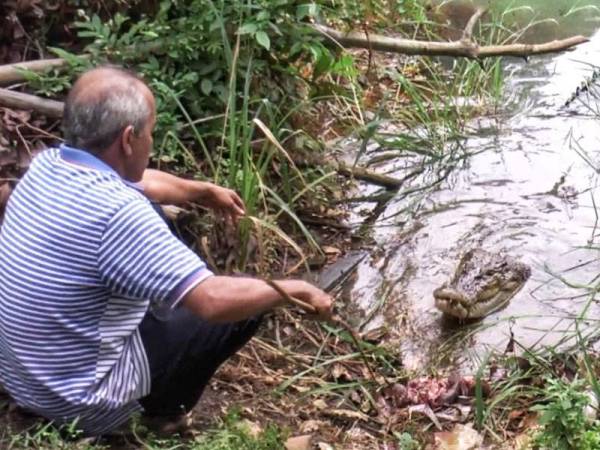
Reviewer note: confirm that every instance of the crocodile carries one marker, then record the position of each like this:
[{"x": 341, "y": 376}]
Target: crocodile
[{"x": 483, "y": 283}]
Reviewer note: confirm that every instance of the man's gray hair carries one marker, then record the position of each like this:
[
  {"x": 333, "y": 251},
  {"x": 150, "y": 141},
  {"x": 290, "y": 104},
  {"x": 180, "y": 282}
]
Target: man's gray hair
[{"x": 93, "y": 123}]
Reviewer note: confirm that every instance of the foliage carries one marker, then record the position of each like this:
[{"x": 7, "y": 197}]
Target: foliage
[
  {"x": 193, "y": 51},
  {"x": 44, "y": 436},
  {"x": 226, "y": 62},
  {"x": 407, "y": 442},
  {"x": 233, "y": 433},
  {"x": 563, "y": 423}
]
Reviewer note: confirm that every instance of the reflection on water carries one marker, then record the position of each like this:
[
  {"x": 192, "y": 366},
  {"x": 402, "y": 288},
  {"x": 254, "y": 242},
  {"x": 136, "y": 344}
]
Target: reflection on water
[
  {"x": 542, "y": 20},
  {"x": 526, "y": 191}
]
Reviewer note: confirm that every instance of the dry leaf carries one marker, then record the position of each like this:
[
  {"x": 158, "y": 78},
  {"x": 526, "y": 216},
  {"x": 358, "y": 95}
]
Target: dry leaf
[
  {"x": 324, "y": 446},
  {"x": 320, "y": 404},
  {"x": 252, "y": 428},
  {"x": 347, "y": 414},
  {"x": 340, "y": 373},
  {"x": 463, "y": 437},
  {"x": 426, "y": 410},
  {"x": 522, "y": 442},
  {"x": 298, "y": 442},
  {"x": 329, "y": 250},
  {"x": 310, "y": 426}
]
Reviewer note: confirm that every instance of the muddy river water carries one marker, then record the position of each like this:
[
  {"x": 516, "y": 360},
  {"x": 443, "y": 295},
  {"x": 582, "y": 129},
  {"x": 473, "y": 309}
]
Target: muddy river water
[{"x": 529, "y": 189}]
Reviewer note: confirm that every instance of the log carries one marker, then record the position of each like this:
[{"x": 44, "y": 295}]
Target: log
[
  {"x": 462, "y": 48},
  {"x": 12, "y": 73},
  {"x": 18, "y": 100}
]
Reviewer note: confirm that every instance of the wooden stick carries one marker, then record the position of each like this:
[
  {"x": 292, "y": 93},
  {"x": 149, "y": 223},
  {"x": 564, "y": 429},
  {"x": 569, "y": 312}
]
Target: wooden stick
[
  {"x": 18, "y": 100},
  {"x": 368, "y": 175},
  {"x": 292, "y": 300},
  {"x": 12, "y": 73},
  {"x": 462, "y": 48},
  {"x": 531, "y": 49}
]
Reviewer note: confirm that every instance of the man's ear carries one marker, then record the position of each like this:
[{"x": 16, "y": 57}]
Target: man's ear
[{"x": 126, "y": 137}]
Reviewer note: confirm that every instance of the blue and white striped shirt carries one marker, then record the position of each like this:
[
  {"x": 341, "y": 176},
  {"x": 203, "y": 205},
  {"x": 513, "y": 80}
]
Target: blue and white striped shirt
[{"x": 82, "y": 257}]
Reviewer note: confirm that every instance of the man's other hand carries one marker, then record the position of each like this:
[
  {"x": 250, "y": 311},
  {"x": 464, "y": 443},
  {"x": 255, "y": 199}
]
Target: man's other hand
[
  {"x": 168, "y": 189},
  {"x": 223, "y": 201}
]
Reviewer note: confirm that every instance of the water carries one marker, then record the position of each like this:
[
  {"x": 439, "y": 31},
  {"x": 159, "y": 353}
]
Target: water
[
  {"x": 525, "y": 191},
  {"x": 554, "y": 19}
]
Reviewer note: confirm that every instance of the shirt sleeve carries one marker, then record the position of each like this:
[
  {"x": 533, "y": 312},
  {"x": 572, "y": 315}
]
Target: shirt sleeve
[{"x": 140, "y": 258}]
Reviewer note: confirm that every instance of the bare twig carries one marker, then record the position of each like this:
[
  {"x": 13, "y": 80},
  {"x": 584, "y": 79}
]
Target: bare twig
[
  {"x": 369, "y": 176},
  {"x": 468, "y": 33}
]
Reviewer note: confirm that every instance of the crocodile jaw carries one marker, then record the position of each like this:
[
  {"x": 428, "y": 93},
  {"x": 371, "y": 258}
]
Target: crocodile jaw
[{"x": 452, "y": 302}]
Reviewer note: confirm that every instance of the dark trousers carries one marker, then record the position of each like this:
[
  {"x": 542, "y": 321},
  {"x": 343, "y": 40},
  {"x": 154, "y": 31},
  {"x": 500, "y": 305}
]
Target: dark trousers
[{"x": 184, "y": 352}]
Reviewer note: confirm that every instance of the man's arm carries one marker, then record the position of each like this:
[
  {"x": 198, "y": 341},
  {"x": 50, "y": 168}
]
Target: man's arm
[
  {"x": 229, "y": 299},
  {"x": 164, "y": 188}
]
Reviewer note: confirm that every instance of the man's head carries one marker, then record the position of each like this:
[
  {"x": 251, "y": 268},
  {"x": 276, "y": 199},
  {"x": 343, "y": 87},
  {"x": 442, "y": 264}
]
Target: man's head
[{"x": 111, "y": 114}]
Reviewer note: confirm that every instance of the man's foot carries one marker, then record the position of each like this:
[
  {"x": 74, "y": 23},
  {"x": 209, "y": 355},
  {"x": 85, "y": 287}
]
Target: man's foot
[
  {"x": 161, "y": 426},
  {"x": 168, "y": 425}
]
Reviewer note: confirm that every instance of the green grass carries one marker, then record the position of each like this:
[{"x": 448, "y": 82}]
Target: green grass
[{"x": 232, "y": 433}]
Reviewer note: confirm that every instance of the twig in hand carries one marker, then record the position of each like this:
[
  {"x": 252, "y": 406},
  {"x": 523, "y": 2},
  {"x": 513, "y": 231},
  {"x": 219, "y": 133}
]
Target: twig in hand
[
  {"x": 336, "y": 320},
  {"x": 292, "y": 300}
]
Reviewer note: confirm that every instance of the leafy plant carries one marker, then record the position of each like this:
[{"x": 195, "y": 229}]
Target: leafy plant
[
  {"x": 407, "y": 442},
  {"x": 563, "y": 423},
  {"x": 234, "y": 434}
]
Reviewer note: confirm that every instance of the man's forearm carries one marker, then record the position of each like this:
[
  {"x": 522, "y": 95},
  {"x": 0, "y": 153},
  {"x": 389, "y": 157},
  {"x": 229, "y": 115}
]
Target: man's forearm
[
  {"x": 165, "y": 188},
  {"x": 229, "y": 299}
]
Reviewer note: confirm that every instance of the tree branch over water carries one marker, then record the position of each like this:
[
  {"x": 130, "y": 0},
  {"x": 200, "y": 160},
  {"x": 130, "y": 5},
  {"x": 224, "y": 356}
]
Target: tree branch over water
[{"x": 464, "y": 47}]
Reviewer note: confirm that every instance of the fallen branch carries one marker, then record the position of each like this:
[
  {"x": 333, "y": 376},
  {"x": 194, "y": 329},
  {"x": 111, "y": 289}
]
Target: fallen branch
[
  {"x": 369, "y": 176},
  {"x": 18, "y": 100},
  {"x": 465, "y": 47},
  {"x": 13, "y": 73}
]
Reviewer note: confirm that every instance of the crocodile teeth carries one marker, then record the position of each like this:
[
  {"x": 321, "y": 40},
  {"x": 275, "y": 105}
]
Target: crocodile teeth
[{"x": 449, "y": 294}]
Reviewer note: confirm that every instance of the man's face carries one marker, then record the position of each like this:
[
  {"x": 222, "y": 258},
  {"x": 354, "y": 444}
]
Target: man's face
[{"x": 141, "y": 144}]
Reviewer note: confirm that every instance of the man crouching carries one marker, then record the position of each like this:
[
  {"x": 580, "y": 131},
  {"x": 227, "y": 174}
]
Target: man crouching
[{"x": 103, "y": 311}]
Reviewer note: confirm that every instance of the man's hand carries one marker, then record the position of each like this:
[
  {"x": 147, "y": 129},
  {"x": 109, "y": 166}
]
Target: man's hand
[
  {"x": 312, "y": 295},
  {"x": 164, "y": 188},
  {"x": 230, "y": 299},
  {"x": 223, "y": 201}
]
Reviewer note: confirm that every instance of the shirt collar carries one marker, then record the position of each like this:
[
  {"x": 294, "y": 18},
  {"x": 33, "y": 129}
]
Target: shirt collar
[
  {"x": 86, "y": 159},
  {"x": 83, "y": 158}
]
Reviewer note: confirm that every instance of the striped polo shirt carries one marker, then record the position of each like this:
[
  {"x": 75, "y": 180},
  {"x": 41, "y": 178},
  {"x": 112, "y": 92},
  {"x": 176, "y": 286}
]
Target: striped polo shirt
[{"x": 83, "y": 255}]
